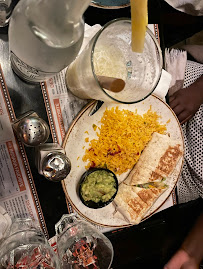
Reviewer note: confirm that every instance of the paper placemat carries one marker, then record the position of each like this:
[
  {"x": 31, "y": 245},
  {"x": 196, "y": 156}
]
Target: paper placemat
[{"x": 18, "y": 195}]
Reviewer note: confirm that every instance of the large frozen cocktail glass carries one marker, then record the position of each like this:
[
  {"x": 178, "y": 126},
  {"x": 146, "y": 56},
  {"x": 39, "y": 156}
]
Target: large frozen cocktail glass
[{"x": 109, "y": 54}]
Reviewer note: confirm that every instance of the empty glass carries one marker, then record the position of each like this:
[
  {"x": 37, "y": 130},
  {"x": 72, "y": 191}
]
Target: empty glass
[{"x": 81, "y": 245}]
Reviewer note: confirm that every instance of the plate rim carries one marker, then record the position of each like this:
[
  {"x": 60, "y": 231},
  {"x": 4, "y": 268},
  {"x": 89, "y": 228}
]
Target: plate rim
[{"x": 91, "y": 103}]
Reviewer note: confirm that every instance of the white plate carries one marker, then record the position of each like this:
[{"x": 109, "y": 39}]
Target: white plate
[{"x": 75, "y": 147}]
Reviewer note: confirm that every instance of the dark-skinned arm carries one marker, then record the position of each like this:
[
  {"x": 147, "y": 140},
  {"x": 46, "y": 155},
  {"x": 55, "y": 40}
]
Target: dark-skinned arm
[{"x": 186, "y": 102}]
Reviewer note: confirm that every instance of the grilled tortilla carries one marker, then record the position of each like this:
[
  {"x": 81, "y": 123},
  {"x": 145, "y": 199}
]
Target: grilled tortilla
[
  {"x": 157, "y": 160},
  {"x": 129, "y": 204},
  {"x": 133, "y": 202},
  {"x": 149, "y": 196}
]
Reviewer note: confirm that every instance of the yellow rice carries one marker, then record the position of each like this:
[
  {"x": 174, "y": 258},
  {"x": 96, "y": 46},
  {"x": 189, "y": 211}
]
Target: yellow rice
[{"x": 121, "y": 139}]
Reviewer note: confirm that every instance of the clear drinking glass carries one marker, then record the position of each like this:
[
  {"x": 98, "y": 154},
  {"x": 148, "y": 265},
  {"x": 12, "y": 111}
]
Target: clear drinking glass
[
  {"x": 81, "y": 245},
  {"x": 26, "y": 247},
  {"x": 6, "y": 8},
  {"x": 109, "y": 53},
  {"x": 45, "y": 36}
]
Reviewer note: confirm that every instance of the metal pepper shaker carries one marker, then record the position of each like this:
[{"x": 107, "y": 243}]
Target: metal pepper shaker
[
  {"x": 31, "y": 129},
  {"x": 52, "y": 162}
]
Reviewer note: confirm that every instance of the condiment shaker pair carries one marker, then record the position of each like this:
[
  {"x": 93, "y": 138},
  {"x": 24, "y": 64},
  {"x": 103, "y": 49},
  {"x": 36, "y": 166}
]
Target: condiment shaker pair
[{"x": 51, "y": 160}]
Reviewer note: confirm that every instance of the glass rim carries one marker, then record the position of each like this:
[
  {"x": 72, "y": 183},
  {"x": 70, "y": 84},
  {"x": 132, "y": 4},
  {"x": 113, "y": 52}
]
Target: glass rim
[{"x": 92, "y": 60}]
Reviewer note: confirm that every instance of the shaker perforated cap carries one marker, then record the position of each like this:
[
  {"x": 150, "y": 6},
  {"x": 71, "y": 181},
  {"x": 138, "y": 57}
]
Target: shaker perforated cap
[{"x": 31, "y": 129}]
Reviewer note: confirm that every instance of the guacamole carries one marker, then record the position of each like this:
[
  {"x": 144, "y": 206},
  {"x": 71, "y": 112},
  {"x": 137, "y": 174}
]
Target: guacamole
[{"x": 98, "y": 186}]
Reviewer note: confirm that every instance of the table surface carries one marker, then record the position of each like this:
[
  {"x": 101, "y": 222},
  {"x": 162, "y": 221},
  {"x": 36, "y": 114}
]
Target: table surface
[{"x": 27, "y": 97}]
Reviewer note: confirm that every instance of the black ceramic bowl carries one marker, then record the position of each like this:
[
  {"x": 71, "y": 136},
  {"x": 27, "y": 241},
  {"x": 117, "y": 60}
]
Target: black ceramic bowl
[{"x": 90, "y": 203}]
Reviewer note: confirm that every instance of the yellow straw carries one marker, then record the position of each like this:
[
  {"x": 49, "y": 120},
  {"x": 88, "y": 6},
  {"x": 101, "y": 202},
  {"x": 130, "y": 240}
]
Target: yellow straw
[{"x": 139, "y": 21}]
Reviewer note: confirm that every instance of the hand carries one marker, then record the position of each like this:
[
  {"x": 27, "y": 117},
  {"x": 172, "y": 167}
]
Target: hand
[
  {"x": 181, "y": 260},
  {"x": 186, "y": 102},
  {"x": 190, "y": 254}
]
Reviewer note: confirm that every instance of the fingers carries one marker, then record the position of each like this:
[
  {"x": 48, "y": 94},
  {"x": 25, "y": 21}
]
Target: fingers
[
  {"x": 184, "y": 115},
  {"x": 179, "y": 107},
  {"x": 186, "y": 119},
  {"x": 190, "y": 265},
  {"x": 171, "y": 98},
  {"x": 175, "y": 105},
  {"x": 175, "y": 95},
  {"x": 178, "y": 110},
  {"x": 177, "y": 260},
  {"x": 173, "y": 101}
]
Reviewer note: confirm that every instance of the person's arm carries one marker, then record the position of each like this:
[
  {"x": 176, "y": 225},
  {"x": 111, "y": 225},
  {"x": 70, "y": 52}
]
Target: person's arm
[
  {"x": 190, "y": 254},
  {"x": 186, "y": 102},
  {"x": 193, "y": 244}
]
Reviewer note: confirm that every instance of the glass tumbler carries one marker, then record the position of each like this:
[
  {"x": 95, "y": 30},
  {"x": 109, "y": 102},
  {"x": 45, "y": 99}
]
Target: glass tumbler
[
  {"x": 6, "y": 8},
  {"x": 109, "y": 54},
  {"x": 26, "y": 247},
  {"x": 80, "y": 245}
]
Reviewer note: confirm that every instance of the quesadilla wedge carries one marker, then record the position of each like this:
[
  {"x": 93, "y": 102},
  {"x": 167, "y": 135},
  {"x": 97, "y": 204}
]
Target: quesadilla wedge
[
  {"x": 149, "y": 196},
  {"x": 134, "y": 202},
  {"x": 157, "y": 160},
  {"x": 129, "y": 204}
]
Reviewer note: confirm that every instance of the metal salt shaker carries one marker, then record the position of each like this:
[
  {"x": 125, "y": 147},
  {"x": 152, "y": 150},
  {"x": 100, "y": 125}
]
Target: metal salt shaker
[
  {"x": 52, "y": 162},
  {"x": 31, "y": 129}
]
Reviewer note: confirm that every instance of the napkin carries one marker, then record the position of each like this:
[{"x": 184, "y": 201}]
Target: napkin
[
  {"x": 90, "y": 31},
  {"x": 163, "y": 85},
  {"x": 175, "y": 64},
  {"x": 165, "y": 80},
  {"x": 5, "y": 222}
]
